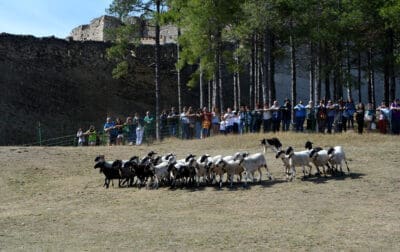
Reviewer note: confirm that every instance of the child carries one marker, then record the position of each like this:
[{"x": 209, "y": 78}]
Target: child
[
  {"x": 222, "y": 126},
  {"x": 81, "y": 137},
  {"x": 92, "y": 135}
]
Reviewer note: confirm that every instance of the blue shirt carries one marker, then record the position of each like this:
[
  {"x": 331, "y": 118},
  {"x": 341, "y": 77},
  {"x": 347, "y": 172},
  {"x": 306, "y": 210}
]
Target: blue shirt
[
  {"x": 113, "y": 132},
  {"x": 300, "y": 110}
]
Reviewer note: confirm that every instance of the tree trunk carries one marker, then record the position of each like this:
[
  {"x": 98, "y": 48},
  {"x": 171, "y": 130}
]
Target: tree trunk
[
  {"x": 214, "y": 91},
  {"x": 201, "y": 85},
  {"x": 209, "y": 95},
  {"x": 157, "y": 71},
  {"x": 256, "y": 73},
  {"x": 371, "y": 81},
  {"x": 312, "y": 72},
  {"x": 327, "y": 74},
  {"x": 318, "y": 79},
  {"x": 348, "y": 82},
  {"x": 252, "y": 63},
  {"x": 272, "y": 88},
  {"x": 265, "y": 68},
  {"x": 221, "y": 90},
  {"x": 178, "y": 52},
  {"x": 234, "y": 91},
  {"x": 392, "y": 90},
  {"x": 359, "y": 76},
  {"x": 337, "y": 86},
  {"x": 238, "y": 81},
  {"x": 293, "y": 70}
]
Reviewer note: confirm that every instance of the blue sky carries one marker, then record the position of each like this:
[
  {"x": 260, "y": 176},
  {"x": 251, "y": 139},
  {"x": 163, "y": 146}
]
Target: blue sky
[{"x": 43, "y": 18}]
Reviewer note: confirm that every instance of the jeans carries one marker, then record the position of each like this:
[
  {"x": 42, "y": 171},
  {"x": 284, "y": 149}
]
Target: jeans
[
  {"x": 285, "y": 125},
  {"x": 330, "y": 123},
  {"x": 299, "y": 120},
  {"x": 185, "y": 131},
  {"x": 395, "y": 126},
  {"x": 139, "y": 135},
  {"x": 267, "y": 125},
  {"x": 173, "y": 129}
]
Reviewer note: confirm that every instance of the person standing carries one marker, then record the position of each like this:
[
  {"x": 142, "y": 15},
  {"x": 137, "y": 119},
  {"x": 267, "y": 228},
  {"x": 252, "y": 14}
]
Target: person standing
[
  {"x": 173, "y": 119},
  {"x": 109, "y": 128},
  {"x": 197, "y": 123},
  {"x": 222, "y": 126},
  {"x": 369, "y": 117},
  {"x": 286, "y": 115},
  {"x": 164, "y": 124},
  {"x": 205, "y": 122},
  {"x": 300, "y": 116},
  {"x": 350, "y": 109},
  {"x": 338, "y": 121},
  {"x": 311, "y": 121},
  {"x": 190, "y": 114},
  {"x": 149, "y": 127},
  {"x": 92, "y": 136},
  {"x": 395, "y": 120},
  {"x": 345, "y": 115},
  {"x": 119, "y": 126},
  {"x": 256, "y": 115},
  {"x": 248, "y": 120},
  {"x": 267, "y": 118},
  {"x": 81, "y": 137},
  {"x": 276, "y": 116},
  {"x": 321, "y": 116},
  {"x": 359, "y": 116},
  {"x": 215, "y": 121},
  {"x": 228, "y": 118},
  {"x": 130, "y": 130},
  {"x": 184, "y": 124},
  {"x": 383, "y": 118},
  {"x": 330, "y": 115},
  {"x": 139, "y": 129}
]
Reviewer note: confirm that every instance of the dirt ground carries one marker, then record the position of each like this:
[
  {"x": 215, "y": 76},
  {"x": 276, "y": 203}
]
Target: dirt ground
[{"x": 52, "y": 199}]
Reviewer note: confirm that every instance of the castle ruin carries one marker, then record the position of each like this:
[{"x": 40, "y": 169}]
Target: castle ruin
[{"x": 98, "y": 28}]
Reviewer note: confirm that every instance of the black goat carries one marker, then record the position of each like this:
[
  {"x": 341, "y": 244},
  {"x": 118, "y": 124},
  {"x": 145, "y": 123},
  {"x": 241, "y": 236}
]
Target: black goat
[
  {"x": 126, "y": 171},
  {"x": 109, "y": 172},
  {"x": 143, "y": 172}
]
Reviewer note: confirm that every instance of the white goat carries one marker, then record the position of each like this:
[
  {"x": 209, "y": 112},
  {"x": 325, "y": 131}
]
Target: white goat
[
  {"x": 202, "y": 169},
  {"x": 161, "y": 170},
  {"x": 231, "y": 168},
  {"x": 285, "y": 160},
  {"x": 337, "y": 156},
  {"x": 253, "y": 163},
  {"x": 214, "y": 170},
  {"x": 319, "y": 158},
  {"x": 299, "y": 158}
]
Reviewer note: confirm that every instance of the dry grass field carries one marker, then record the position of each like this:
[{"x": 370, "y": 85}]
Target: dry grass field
[{"x": 52, "y": 199}]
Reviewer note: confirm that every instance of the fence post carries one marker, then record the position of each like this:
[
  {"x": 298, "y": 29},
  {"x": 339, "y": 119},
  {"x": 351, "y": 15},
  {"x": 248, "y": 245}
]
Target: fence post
[{"x": 40, "y": 134}]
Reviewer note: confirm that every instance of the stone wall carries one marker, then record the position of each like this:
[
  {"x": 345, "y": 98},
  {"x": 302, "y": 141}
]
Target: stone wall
[
  {"x": 96, "y": 30},
  {"x": 65, "y": 85}
]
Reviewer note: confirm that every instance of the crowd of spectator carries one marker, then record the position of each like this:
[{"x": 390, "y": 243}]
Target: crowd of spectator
[{"x": 325, "y": 117}]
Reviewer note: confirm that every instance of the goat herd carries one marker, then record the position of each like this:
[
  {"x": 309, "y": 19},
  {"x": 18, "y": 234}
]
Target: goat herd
[{"x": 152, "y": 171}]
